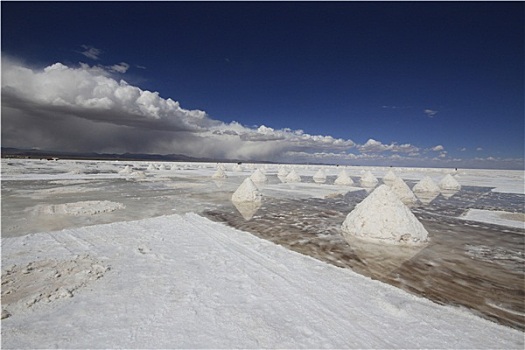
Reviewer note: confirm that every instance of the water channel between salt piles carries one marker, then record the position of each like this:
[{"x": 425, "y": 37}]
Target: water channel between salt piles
[{"x": 466, "y": 263}]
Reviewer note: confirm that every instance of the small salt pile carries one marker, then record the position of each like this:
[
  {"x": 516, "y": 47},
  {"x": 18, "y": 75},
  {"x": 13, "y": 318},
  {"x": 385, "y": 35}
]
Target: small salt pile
[
  {"x": 426, "y": 185},
  {"x": 449, "y": 183},
  {"x": 389, "y": 178},
  {"x": 403, "y": 192},
  {"x": 237, "y": 168},
  {"x": 162, "y": 167},
  {"x": 259, "y": 177},
  {"x": 343, "y": 179},
  {"x": 368, "y": 179},
  {"x": 126, "y": 171},
  {"x": 293, "y": 177},
  {"x": 320, "y": 176},
  {"x": 382, "y": 217},
  {"x": 247, "y": 192},
  {"x": 174, "y": 167},
  {"x": 219, "y": 174},
  {"x": 282, "y": 172},
  {"x": 151, "y": 167}
]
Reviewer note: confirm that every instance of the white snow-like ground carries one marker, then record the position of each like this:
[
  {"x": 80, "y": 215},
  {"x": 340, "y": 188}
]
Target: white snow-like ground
[{"x": 182, "y": 281}]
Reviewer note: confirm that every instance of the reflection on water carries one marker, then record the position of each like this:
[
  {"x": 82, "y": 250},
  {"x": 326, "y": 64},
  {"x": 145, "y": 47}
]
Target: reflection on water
[{"x": 247, "y": 209}]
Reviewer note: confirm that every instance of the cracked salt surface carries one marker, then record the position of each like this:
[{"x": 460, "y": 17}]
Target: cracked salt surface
[{"x": 478, "y": 266}]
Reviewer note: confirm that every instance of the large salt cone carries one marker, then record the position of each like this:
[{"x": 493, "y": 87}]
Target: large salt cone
[
  {"x": 403, "y": 192},
  {"x": 219, "y": 174},
  {"x": 293, "y": 177},
  {"x": 247, "y": 192},
  {"x": 320, "y": 176},
  {"x": 343, "y": 179},
  {"x": 259, "y": 177},
  {"x": 382, "y": 217},
  {"x": 368, "y": 180},
  {"x": 389, "y": 178}
]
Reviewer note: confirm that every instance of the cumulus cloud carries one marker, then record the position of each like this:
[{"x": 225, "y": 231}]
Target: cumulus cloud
[
  {"x": 85, "y": 108},
  {"x": 430, "y": 113},
  {"x": 91, "y": 52},
  {"x": 438, "y": 148},
  {"x": 373, "y": 146}
]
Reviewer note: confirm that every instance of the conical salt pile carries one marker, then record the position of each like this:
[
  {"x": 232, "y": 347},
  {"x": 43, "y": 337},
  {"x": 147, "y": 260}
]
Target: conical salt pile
[
  {"x": 162, "y": 167},
  {"x": 343, "y": 179},
  {"x": 151, "y": 167},
  {"x": 293, "y": 177},
  {"x": 259, "y": 177},
  {"x": 426, "y": 185},
  {"x": 219, "y": 174},
  {"x": 368, "y": 179},
  {"x": 174, "y": 167},
  {"x": 320, "y": 176},
  {"x": 126, "y": 170},
  {"x": 449, "y": 183},
  {"x": 382, "y": 217},
  {"x": 389, "y": 178},
  {"x": 282, "y": 172},
  {"x": 247, "y": 192},
  {"x": 237, "y": 167},
  {"x": 402, "y": 191}
]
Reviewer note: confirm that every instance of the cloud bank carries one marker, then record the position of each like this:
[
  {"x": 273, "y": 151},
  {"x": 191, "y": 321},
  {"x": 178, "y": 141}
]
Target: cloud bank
[{"x": 87, "y": 109}]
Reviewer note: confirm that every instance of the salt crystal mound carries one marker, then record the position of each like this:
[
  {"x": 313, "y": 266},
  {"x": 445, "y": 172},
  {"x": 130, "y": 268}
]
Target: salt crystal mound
[
  {"x": 219, "y": 174},
  {"x": 259, "y": 177},
  {"x": 320, "y": 176},
  {"x": 426, "y": 185},
  {"x": 389, "y": 178},
  {"x": 162, "y": 167},
  {"x": 282, "y": 172},
  {"x": 237, "y": 167},
  {"x": 382, "y": 217},
  {"x": 151, "y": 167},
  {"x": 80, "y": 208},
  {"x": 449, "y": 183},
  {"x": 343, "y": 179},
  {"x": 247, "y": 192},
  {"x": 127, "y": 170},
  {"x": 293, "y": 177},
  {"x": 368, "y": 180},
  {"x": 403, "y": 192}
]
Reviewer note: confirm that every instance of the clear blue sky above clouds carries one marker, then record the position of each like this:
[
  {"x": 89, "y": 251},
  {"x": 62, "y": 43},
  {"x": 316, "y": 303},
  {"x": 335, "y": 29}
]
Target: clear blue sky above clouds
[{"x": 402, "y": 83}]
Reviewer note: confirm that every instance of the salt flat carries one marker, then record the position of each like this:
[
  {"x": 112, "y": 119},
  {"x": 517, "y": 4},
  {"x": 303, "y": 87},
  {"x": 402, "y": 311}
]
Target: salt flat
[{"x": 152, "y": 272}]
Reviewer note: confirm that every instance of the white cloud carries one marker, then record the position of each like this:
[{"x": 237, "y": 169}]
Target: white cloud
[
  {"x": 122, "y": 67},
  {"x": 91, "y": 52},
  {"x": 479, "y": 149},
  {"x": 430, "y": 113},
  {"x": 373, "y": 146},
  {"x": 438, "y": 148},
  {"x": 103, "y": 114}
]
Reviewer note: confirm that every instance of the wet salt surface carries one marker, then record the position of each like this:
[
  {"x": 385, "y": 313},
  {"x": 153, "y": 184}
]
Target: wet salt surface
[{"x": 466, "y": 263}]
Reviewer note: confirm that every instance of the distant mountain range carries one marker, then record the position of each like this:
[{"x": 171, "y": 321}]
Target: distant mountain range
[{"x": 8, "y": 152}]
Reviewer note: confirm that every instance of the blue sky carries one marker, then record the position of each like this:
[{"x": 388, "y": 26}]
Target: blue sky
[{"x": 418, "y": 84}]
